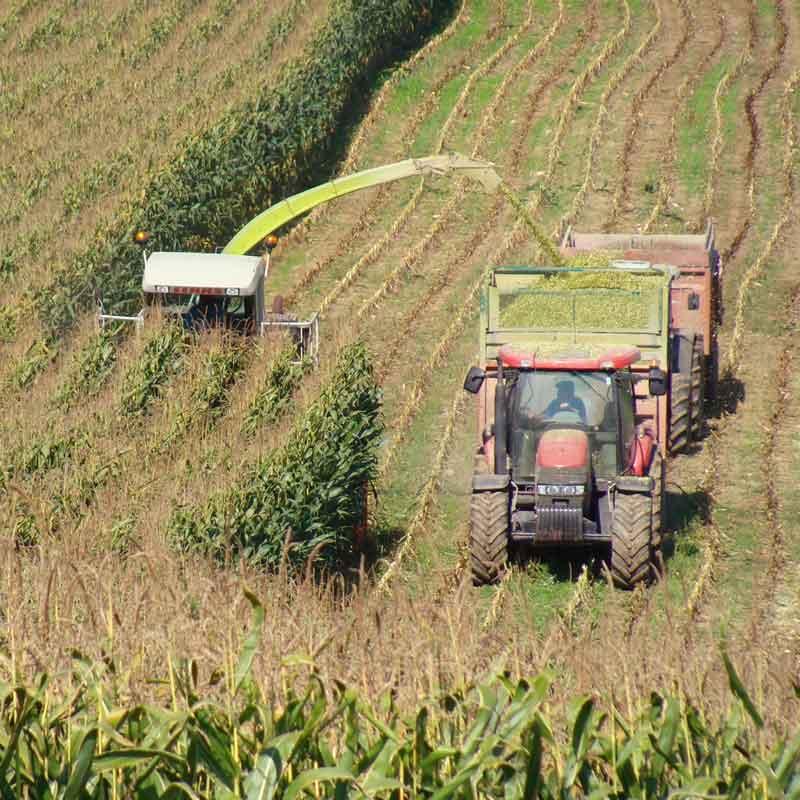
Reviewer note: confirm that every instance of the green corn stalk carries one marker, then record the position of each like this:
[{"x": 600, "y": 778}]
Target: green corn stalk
[
  {"x": 145, "y": 379},
  {"x": 274, "y": 398},
  {"x": 323, "y": 740},
  {"x": 311, "y": 487},
  {"x": 90, "y": 369},
  {"x": 209, "y": 397}
]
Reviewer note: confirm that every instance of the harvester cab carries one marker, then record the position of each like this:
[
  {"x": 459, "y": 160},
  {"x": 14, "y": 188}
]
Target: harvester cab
[
  {"x": 571, "y": 417},
  {"x": 217, "y": 291}
]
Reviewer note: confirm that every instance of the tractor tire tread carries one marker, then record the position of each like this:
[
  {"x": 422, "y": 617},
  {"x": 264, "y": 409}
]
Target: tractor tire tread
[
  {"x": 488, "y": 537},
  {"x": 632, "y": 540},
  {"x": 697, "y": 393},
  {"x": 680, "y": 418}
]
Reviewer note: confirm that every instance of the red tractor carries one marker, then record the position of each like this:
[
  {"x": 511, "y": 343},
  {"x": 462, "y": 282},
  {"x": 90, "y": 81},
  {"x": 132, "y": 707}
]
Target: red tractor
[{"x": 572, "y": 418}]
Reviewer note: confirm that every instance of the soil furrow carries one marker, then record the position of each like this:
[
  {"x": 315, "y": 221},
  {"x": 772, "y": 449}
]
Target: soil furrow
[
  {"x": 669, "y": 155},
  {"x": 445, "y": 277},
  {"x": 621, "y": 197},
  {"x": 753, "y": 96},
  {"x": 732, "y": 363}
]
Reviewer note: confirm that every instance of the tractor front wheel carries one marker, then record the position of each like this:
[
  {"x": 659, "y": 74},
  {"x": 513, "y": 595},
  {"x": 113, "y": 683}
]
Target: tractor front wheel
[
  {"x": 488, "y": 537},
  {"x": 632, "y": 539}
]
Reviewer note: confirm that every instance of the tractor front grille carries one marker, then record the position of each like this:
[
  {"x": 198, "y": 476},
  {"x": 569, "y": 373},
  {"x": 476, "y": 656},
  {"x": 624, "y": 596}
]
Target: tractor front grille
[{"x": 559, "y": 523}]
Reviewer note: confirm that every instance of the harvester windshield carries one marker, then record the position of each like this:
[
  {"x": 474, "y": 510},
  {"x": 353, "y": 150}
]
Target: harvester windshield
[{"x": 545, "y": 400}]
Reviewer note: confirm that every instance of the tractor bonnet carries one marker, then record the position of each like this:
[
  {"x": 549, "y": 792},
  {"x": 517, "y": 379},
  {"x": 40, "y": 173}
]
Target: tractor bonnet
[{"x": 200, "y": 272}]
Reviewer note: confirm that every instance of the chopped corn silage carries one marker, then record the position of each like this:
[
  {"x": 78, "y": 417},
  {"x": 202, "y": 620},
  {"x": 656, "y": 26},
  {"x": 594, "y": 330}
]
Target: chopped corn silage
[{"x": 602, "y": 300}]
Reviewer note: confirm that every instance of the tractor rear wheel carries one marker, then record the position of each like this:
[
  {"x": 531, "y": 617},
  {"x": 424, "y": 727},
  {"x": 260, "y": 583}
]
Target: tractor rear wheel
[
  {"x": 712, "y": 374},
  {"x": 632, "y": 539},
  {"x": 488, "y": 536},
  {"x": 658, "y": 474},
  {"x": 680, "y": 412},
  {"x": 697, "y": 395}
]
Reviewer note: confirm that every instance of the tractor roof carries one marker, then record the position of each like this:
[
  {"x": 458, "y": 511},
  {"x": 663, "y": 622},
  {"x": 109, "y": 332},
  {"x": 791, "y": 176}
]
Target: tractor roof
[
  {"x": 609, "y": 358},
  {"x": 165, "y": 271}
]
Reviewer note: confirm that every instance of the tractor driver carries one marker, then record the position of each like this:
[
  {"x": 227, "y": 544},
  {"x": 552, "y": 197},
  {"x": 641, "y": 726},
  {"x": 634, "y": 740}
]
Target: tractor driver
[{"x": 566, "y": 401}]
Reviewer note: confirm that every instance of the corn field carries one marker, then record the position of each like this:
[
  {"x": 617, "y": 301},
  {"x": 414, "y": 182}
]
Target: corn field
[{"x": 228, "y": 571}]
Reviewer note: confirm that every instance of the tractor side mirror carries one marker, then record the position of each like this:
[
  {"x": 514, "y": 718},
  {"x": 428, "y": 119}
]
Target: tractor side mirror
[
  {"x": 474, "y": 380},
  {"x": 657, "y": 381}
]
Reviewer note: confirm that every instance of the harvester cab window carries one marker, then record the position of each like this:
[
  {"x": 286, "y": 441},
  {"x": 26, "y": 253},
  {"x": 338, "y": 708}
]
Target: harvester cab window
[
  {"x": 240, "y": 313},
  {"x": 171, "y": 304}
]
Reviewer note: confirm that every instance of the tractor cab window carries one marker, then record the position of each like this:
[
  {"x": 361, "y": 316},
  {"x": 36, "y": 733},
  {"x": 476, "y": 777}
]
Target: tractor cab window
[
  {"x": 626, "y": 406},
  {"x": 543, "y": 400}
]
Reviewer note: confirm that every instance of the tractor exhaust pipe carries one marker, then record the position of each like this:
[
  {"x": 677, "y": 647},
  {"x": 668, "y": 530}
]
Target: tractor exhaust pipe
[{"x": 500, "y": 424}]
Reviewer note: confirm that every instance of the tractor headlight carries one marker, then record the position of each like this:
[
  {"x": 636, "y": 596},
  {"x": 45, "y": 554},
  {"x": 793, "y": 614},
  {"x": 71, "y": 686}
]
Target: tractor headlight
[{"x": 553, "y": 489}]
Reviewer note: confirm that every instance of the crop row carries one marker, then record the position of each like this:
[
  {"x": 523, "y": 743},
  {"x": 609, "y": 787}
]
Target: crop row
[
  {"x": 637, "y": 116},
  {"x": 443, "y": 218},
  {"x": 731, "y": 76},
  {"x": 369, "y": 215},
  {"x": 566, "y": 114},
  {"x": 377, "y": 111},
  {"x": 310, "y": 491},
  {"x": 751, "y": 113},
  {"x": 669, "y": 156},
  {"x": 429, "y": 491},
  {"x": 499, "y": 738},
  {"x": 732, "y": 360},
  {"x": 733, "y": 355},
  {"x": 616, "y": 80}
]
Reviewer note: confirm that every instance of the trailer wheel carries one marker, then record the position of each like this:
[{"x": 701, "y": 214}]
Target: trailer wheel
[
  {"x": 680, "y": 412},
  {"x": 632, "y": 539},
  {"x": 697, "y": 396},
  {"x": 488, "y": 536}
]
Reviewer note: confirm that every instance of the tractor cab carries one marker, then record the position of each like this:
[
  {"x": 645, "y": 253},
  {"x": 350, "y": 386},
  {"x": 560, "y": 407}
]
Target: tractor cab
[{"x": 568, "y": 418}]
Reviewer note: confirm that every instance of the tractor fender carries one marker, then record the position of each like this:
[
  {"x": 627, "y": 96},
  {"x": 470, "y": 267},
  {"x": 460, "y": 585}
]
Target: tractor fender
[
  {"x": 633, "y": 484},
  {"x": 681, "y": 352},
  {"x": 490, "y": 483}
]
